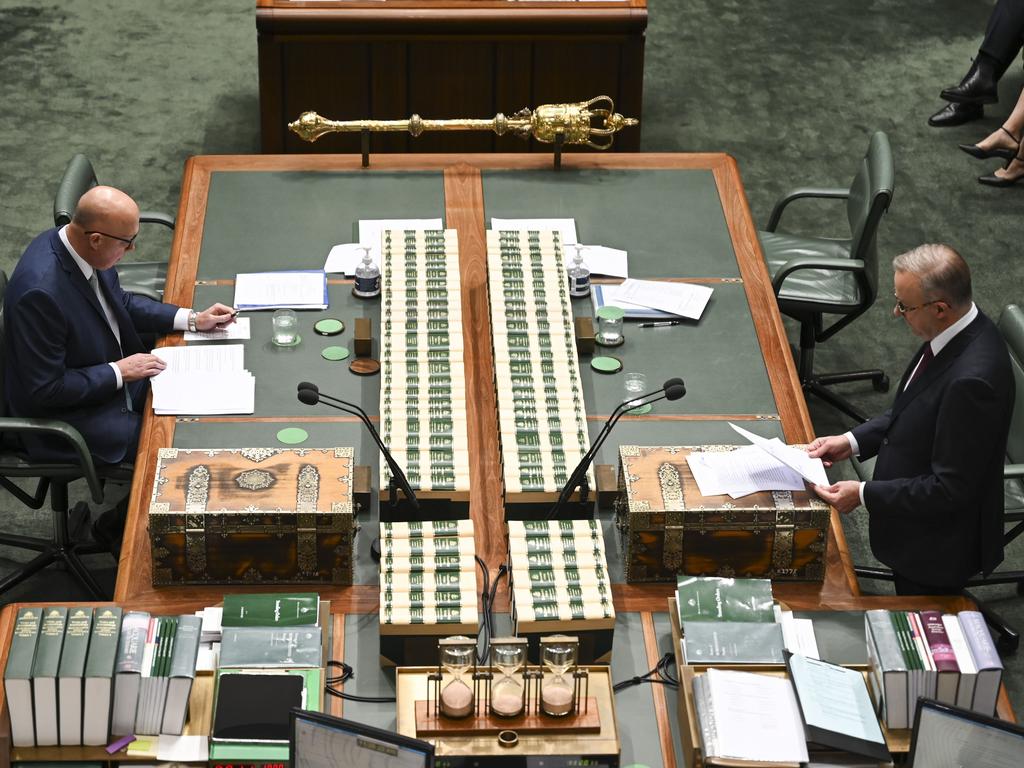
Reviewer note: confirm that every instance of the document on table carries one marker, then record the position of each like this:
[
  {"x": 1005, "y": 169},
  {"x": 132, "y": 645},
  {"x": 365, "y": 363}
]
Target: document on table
[
  {"x": 344, "y": 258},
  {"x": 796, "y": 459},
  {"x": 371, "y": 230},
  {"x": 236, "y": 331},
  {"x": 798, "y": 635},
  {"x": 203, "y": 380},
  {"x": 293, "y": 289},
  {"x": 756, "y": 717},
  {"x": 601, "y": 260},
  {"x": 683, "y": 299},
  {"x": 741, "y": 472},
  {"x": 565, "y": 227},
  {"x": 611, "y": 296}
]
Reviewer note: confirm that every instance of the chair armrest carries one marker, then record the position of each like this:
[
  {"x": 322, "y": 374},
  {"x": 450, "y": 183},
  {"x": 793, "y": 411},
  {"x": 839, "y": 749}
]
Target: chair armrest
[
  {"x": 831, "y": 193},
  {"x": 1011, "y": 471},
  {"x": 811, "y": 262},
  {"x": 62, "y": 429},
  {"x": 155, "y": 217},
  {"x": 140, "y": 290}
]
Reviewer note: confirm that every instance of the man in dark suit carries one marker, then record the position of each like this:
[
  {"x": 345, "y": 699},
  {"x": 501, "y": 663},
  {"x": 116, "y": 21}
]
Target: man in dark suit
[
  {"x": 72, "y": 334},
  {"x": 935, "y": 503}
]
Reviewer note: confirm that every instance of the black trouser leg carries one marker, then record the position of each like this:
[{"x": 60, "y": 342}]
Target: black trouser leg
[
  {"x": 1004, "y": 34},
  {"x": 906, "y": 587}
]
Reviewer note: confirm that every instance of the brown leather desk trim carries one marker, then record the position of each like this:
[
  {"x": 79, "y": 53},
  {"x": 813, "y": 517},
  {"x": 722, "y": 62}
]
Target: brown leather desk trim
[
  {"x": 668, "y": 752},
  {"x": 464, "y": 211}
]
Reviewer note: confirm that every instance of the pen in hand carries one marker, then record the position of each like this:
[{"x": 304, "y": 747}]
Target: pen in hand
[{"x": 659, "y": 324}]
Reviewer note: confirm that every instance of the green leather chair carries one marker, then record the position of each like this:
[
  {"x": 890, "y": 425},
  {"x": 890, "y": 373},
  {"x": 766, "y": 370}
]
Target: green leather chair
[
  {"x": 145, "y": 277},
  {"x": 52, "y": 478},
  {"x": 815, "y": 277},
  {"x": 1011, "y": 325}
]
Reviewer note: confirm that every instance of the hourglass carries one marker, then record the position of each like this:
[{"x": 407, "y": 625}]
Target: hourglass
[
  {"x": 457, "y": 655},
  {"x": 508, "y": 690},
  {"x": 559, "y": 687}
]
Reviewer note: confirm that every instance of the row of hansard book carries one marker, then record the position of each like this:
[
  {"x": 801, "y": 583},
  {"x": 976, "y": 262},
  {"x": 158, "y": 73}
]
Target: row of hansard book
[
  {"x": 84, "y": 675},
  {"x": 948, "y": 657}
]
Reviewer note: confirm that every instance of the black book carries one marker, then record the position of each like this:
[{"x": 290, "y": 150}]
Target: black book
[{"x": 255, "y": 707}]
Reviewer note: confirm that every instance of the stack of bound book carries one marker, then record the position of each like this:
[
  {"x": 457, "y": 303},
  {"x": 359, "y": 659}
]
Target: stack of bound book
[{"x": 948, "y": 657}]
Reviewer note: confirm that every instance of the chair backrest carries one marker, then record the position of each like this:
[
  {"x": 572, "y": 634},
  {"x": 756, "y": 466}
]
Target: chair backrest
[
  {"x": 1011, "y": 326},
  {"x": 870, "y": 195},
  {"x": 79, "y": 177}
]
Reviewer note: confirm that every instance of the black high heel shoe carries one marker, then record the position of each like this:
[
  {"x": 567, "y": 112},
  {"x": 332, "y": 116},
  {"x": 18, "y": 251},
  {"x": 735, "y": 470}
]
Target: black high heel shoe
[
  {"x": 1003, "y": 181},
  {"x": 983, "y": 154}
]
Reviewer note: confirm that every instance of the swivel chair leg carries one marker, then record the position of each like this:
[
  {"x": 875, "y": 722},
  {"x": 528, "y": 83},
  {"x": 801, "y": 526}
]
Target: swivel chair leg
[
  {"x": 836, "y": 401},
  {"x": 77, "y": 567},
  {"x": 31, "y": 568}
]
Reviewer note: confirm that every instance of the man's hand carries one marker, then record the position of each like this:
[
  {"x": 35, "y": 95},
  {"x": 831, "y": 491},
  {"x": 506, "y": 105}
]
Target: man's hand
[
  {"x": 844, "y": 495},
  {"x": 216, "y": 316},
  {"x": 830, "y": 449},
  {"x": 140, "y": 366}
]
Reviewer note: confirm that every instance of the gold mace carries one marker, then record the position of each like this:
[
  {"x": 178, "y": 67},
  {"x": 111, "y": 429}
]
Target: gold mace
[{"x": 578, "y": 123}]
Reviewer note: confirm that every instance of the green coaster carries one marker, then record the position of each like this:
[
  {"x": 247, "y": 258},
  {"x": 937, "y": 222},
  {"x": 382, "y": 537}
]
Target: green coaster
[
  {"x": 640, "y": 410},
  {"x": 329, "y": 327},
  {"x": 292, "y": 436},
  {"x": 606, "y": 364},
  {"x": 334, "y": 353}
]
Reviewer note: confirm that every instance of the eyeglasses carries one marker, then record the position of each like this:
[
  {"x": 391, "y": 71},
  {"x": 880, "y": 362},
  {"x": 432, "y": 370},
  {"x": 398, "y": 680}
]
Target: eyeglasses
[
  {"x": 903, "y": 309},
  {"x": 127, "y": 241}
]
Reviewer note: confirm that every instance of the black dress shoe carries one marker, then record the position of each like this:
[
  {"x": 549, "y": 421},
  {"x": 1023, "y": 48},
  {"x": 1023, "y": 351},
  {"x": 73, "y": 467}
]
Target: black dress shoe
[
  {"x": 978, "y": 85},
  {"x": 992, "y": 180},
  {"x": 956, "y": 114},
  {"x": 1001, "y": 152}
]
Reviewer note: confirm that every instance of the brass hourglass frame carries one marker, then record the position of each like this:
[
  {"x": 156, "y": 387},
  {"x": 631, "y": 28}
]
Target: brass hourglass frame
[
  {"x": 512, "y": 645},
  {"x": 580, "y": 677},
  {"x": 458, "y": 644}
]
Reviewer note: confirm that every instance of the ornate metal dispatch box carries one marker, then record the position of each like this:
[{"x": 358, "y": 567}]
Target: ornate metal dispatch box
[
  {"x": 252, "y": 516},
  {"x": 667, "y": 527}
]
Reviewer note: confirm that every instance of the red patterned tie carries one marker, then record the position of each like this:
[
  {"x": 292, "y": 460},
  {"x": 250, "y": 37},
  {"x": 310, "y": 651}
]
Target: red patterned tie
[{"x": 926, "y": 357}]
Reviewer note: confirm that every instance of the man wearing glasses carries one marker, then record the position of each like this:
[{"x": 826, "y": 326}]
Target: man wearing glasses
[
  {"x": 72, "y": 334},
  {"x": 935, "y": 503}
]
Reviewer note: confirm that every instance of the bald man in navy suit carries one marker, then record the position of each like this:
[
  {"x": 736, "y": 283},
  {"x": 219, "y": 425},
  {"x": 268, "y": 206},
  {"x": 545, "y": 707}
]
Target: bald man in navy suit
[
  {"x": 72, "y": 335},
  {"x": 935, "y": 502}
]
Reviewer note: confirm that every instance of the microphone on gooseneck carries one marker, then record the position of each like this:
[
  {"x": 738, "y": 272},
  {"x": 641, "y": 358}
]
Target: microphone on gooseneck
[
  {"x": 672, "y": 389},
  {"x": 310, "y": 394}
]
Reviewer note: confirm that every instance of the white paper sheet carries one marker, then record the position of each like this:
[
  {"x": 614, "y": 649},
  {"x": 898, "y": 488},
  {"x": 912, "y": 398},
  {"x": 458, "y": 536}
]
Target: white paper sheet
[
  {"x": 297, "y": 289},
  {"x": 611, "y": 296},
  {"x": 756, "y": 717},
  {"x": 796, "y": 459},
  {"x": 683, "y": 299},
  {"x": 370, "y": 231},
  {"x": 344, "y": 258},
  {"x": 203, "y": 380},
  {"x": 798, "y": 635},
  {"x": 236, "y": 331},
  {"x": 183, "y": 749},
  {"x": 601, "y": 260},
  {"x": 566, "y": 227},
  {"x": 741, "y": 472}
]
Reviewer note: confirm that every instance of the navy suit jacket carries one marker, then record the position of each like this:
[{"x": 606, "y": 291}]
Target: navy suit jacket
[
  {"x": 59, "y": 344},
  {"x": 936, "y": 500}
]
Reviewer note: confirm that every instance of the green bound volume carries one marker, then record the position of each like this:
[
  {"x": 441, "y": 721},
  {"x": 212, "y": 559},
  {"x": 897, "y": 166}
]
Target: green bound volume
[
  {"x": 128, "y": 672},
  {"x": 732, "y": 642},
  {"x": 424, "y": 564},
  {"x": 99, "y": 675},
  {"x": 272, "y": 609},
  {"x": 181, "y": 671},
  {"x": 18, "y": 676},
  {"x": 71, "y": 674},
  {"x": 44, "y": 675},
  {"x": 419, "y": 598},
  {"x": 273, "y": 647},
  {"x": 712, "y": 598}
]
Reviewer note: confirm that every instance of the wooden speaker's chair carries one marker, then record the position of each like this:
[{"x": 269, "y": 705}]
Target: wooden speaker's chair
[
  {"x": 1011, "y": 325},
  {"x": 145, "y": 277},
  {"x": 815, "y": 277}
]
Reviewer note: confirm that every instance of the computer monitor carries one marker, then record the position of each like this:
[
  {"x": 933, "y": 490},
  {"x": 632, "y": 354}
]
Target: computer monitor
[
  {"x": 950, "y": 737},
  {"x": 323, "y": 741}
]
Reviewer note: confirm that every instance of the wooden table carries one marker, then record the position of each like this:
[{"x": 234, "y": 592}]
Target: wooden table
[{"x": 373, "y": 59}]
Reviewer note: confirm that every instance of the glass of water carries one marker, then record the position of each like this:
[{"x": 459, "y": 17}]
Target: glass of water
[
  {"x": 635, "y": 384},
  {"x": 286, "y": 327}
]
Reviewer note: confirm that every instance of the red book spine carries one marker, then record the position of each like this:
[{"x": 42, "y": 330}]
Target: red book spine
[{"x": 938, "y": 642}]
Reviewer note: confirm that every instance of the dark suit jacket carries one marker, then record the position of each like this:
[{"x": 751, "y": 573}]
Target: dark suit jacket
[
  {"x": 58, "y": 346},
  {"x": 936, "y": 499}
]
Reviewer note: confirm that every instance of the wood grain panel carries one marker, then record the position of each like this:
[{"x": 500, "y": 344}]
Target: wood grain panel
[
  {"x": 389, "y": 93},
  {"x": 668, "y": 753},
  {"x": 446, "y": 80}
]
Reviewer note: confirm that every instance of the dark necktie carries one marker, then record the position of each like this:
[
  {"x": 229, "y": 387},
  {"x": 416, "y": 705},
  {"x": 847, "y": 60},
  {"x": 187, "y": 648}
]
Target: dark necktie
[
  {"x": 94, "y": 283},
  {"x": 926, "y": 357}
]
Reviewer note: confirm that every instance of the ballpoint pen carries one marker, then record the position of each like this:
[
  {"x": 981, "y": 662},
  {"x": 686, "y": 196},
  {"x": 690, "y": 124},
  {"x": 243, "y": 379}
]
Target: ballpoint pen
[{"x": 659, "y": 324}]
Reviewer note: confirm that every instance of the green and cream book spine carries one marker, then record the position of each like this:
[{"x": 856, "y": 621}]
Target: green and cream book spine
[
  {"x": 72, "y": 673},
  {"x": 181, "y": 673},
  {"x": 128, "y": 672},
  {"x": 425, "y": 564},
  {"x": 99, "y": 675},
  {"x": 44, "y": 675},
  {"x": 18, "y": 676},
  {"x": 428, "y": 615}
]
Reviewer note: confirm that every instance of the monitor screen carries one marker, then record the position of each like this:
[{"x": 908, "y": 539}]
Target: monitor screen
[
  {"x": 323, "y": 741},
  {"x": 950, "y": 737}
]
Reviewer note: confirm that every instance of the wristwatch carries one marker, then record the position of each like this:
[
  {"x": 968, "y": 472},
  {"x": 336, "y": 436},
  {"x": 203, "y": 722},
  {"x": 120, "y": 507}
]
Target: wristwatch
[{"x": 192, "y": 315}]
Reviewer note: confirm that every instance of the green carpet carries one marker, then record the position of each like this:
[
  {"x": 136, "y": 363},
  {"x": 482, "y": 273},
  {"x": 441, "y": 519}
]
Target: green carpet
[{"x": 791, "y": 88}]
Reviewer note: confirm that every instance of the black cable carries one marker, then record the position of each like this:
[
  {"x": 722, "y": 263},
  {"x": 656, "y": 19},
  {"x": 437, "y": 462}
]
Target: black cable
[
  {"x": 347, "y": 673},
  {"x": 659, "y": 675},
  {"x": 483, "y": 648},
  {"x": 502, "y": 571}
]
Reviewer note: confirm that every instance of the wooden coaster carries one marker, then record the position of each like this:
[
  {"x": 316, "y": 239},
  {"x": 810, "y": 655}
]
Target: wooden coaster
[{"x": 364, "y": 366}]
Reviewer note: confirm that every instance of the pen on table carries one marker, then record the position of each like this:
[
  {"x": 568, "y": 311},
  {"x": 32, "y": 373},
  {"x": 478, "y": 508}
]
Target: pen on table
[{"x": 659, "y": 324}]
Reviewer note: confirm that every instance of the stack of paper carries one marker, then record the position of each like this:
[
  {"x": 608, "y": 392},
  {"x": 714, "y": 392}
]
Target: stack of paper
[
  {"x": 236, "y": 331},
  {"x": 203, "y": 380},
  {"x": 600, "y": 259},
  {"x": 344, "y": 258},
  {"x": 299, "y": 289},
  {"x": 767, "y": 465},
  {"x": 682, "y": 299}
]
